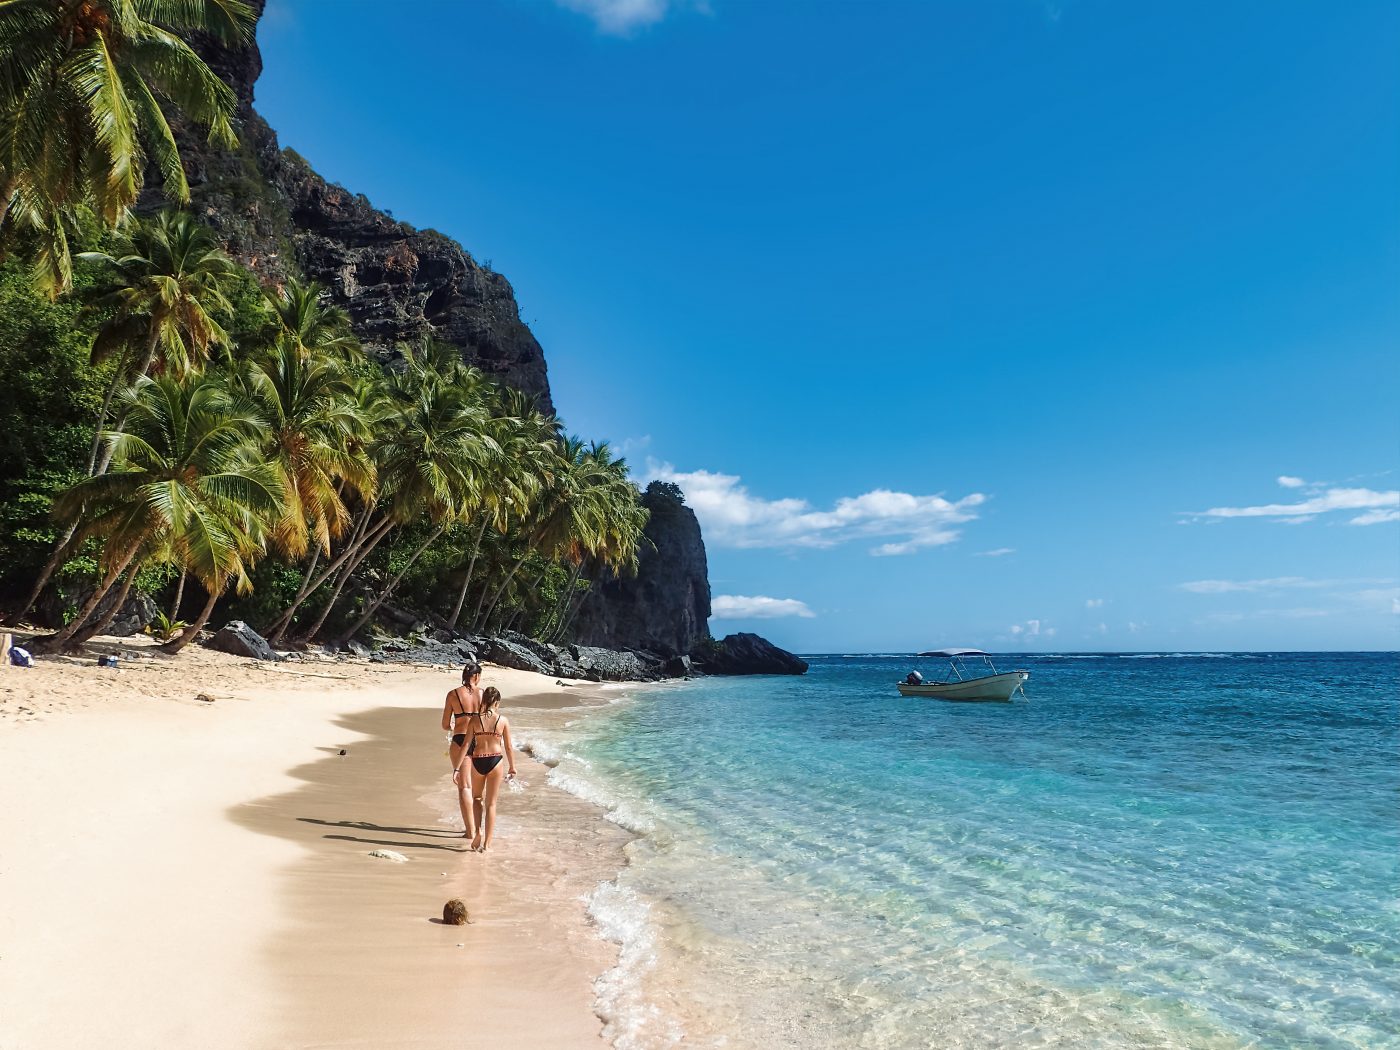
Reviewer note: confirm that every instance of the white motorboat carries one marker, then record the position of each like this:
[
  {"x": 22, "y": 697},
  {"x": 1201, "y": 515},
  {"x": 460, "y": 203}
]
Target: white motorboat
[{"x": 963, "y": 683}]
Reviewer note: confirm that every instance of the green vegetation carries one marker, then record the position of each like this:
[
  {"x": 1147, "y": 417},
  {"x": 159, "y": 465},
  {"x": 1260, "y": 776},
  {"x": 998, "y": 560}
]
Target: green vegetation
[
  {"x": 81, "y": 116},
  {"x": 172, "y": 428},
  {"x": 284, "y": 469}
]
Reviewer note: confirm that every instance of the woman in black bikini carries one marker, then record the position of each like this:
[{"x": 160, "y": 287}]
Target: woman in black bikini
[
  {"x": 491, "y": 731},
  {"x": 462, "y": 703}
]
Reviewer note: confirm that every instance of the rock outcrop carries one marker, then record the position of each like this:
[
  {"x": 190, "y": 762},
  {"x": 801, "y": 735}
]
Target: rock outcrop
[
  {"x": 746, "y": 654},
  {"x": 399, "y": 284},
  {"x": 238, "y": 638},
  {"x": 665, "y": 608}
]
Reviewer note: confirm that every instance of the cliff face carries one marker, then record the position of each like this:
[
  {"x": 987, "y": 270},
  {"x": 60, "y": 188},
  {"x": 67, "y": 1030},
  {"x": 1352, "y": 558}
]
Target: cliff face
[
  {"x": 399, "y": 284},
  {"x": 665, "y": 608}
]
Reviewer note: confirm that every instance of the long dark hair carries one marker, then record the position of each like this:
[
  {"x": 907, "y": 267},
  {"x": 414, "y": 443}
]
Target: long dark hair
[
  {"x": 470, "y": 671},
  {"x": 490, "y": 697}
]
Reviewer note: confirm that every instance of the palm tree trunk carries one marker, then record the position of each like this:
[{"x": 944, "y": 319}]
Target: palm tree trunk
[
  {"x": 60, "y": 638},
  {"x": 45, "y": 574},
  {"x": 188, "y": 634},
  {"x": 100, "y": 624},
  {"x": 466, "y": 580},
  {"x": 151, "y": 346},
  {"x": 384, "y": 594},
  {"x": 496, "y": 598},
  {"x": 366, "y": 548},
  {"x": 179, "y": 594},
  {"x": 280, "y": 625},
  {"x": 573, "y": 615},
  {"x": 557, "y": 619},
  {"x": 482, "y": 620}
]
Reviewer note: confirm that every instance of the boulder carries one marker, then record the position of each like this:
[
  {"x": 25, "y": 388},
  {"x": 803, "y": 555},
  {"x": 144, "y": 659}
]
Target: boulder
[
  {"x": 509, "y": 653},
  {"x": 454, "y": 912},
  {"x": 612, "y": 665},
  {"x": 133, "y": 617},
  {"x": 747, "y": 654},
  {"x": 357, "y": 649},
  {"x": 678, "y": 667},
  {"x": 238, "y": 638}
]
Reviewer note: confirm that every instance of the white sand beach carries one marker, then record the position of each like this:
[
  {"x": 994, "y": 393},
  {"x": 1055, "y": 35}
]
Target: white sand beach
[{"x": 175, "y": 871}]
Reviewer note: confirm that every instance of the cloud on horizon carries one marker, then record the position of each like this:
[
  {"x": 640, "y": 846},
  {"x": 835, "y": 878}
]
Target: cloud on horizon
[
  {"x": 1000, "y": 552},
  {"x": 1324, "y": 498},
  {"x": 757, "y": 607},
  {"x": 731, "y": 516},
  {"x": 1272, "y": 583}
]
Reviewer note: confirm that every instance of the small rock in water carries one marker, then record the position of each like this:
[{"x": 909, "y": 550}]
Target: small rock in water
[
  {"x": 388, "y": 854},
  {"x": 342, "y": 751},
  {"x": 205, "y": 697},
  {"x": 454, "y": 912}
]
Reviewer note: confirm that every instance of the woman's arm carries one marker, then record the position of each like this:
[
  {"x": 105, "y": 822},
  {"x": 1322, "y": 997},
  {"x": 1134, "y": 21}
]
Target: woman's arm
[
  {"x": 447, "y": 714},
  {"x": 510, "y": 748}
]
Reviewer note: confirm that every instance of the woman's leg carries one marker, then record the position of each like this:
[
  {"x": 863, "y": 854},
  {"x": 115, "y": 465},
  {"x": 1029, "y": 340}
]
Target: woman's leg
[
  {"x": 488, "y": 802},
  {"x": 478, "y": 787},
  {"x": 463, "y": 799}
]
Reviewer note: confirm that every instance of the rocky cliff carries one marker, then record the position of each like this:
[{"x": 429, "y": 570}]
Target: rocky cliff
[
  {"x": 398, "y": 283},
  {"x": 665, "y": 608}
]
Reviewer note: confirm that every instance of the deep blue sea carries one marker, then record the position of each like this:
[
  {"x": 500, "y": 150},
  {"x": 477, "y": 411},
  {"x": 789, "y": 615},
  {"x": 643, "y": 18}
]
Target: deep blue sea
[{"x": 1155, "y": 850}]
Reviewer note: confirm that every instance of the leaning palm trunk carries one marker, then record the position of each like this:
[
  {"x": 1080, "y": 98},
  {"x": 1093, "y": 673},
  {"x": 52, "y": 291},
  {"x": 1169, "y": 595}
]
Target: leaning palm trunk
[
  {"x": 573, "y": 613},
  {"x": 388, "y": 590},
  {"x": 280, "y": 625},
  {"x": 61, "y": 638},
  {"x": 179, "y": 596},
  {"x": 556, "y": 620},
  {"x": 482, "y": 620},
  {"x": 188, "y": 634},
  {"x": 366, "y": 548},
  {"x": 466, "y": 580},
  {"x": 102, "y": 622}
]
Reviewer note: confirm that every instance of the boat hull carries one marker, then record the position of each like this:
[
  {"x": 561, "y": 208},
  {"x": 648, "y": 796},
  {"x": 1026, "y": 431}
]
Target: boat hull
[{"x": 994, "y": 688}]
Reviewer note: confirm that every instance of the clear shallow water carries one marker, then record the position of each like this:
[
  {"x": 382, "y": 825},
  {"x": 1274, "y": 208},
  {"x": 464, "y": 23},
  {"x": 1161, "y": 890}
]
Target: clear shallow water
[{"x": 1175, "y": 851}]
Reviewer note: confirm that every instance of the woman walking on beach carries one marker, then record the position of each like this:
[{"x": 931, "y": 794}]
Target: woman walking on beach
[
  {"x": 462, "y": 703},
  {"x": 491, "y": 731}
]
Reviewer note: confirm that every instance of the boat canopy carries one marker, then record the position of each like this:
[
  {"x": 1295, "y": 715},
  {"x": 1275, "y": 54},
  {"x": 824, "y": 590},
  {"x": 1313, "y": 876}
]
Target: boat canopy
[{"x": 948, "y": 654}]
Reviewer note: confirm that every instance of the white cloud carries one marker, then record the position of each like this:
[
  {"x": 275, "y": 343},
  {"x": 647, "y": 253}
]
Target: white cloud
[
  {"x": 1375, "y": 517},
  {"x": 1322, "y": 499},
  {"x": 1273, "y": 583},
  {"x": 1103, "y": 628},
  {"x": 1231, "y": 586},
  {"x": 731, "y": 516},
  {"x": 1093, "y": 603},
  {"x": 757, "y": 607},
  {"x": 1135, "y": 627},
  {"x": 1031, "y": 629},
  {"x": 619, "y": 17},
  {"x": 1000, "y": 552}
]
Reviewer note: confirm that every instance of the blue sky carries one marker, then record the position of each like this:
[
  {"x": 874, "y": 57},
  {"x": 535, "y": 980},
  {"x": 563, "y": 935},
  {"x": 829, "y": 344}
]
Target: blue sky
[{"x": 1021, "y": 325}]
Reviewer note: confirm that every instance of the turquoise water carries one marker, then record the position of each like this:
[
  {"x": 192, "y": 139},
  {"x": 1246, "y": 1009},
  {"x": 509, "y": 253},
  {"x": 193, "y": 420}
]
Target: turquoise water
[{"x": 1174, "y": 850}]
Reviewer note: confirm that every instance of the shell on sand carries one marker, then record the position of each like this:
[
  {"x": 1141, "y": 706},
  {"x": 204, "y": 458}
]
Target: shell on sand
[
  {"x": 454, "y": 912},
  {"x": 388, "y": 854}
]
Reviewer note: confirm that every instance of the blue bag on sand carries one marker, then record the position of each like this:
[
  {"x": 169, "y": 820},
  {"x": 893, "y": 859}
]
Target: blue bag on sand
[{"x": 20, "y": 657}]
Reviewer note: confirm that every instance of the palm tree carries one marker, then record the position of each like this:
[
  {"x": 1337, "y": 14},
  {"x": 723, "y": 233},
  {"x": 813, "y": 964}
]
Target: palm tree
[
  {"x": 312, "y": 326},
  {"x": 190, "y": 478},
  {"x": 527, "y": 441},
  {"x": 80, "y": 111},
  {"x": 431, "y": 461},
  {"x": 171, "y": 286}
]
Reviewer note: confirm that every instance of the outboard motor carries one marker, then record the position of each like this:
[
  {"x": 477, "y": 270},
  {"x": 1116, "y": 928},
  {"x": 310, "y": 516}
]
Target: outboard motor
[{"x": 914, "y": 678}]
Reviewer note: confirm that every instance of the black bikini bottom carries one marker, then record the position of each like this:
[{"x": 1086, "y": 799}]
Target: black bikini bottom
[
  {"x": 459, "y": 738},
  {"x": 486, "y": 763}
]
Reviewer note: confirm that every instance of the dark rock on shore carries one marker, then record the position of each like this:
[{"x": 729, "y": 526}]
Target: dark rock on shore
[
  {"x": 665, "y": 608},
  {"x": 747, "y": 654},
  {"x": 238, "y": 638}
]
